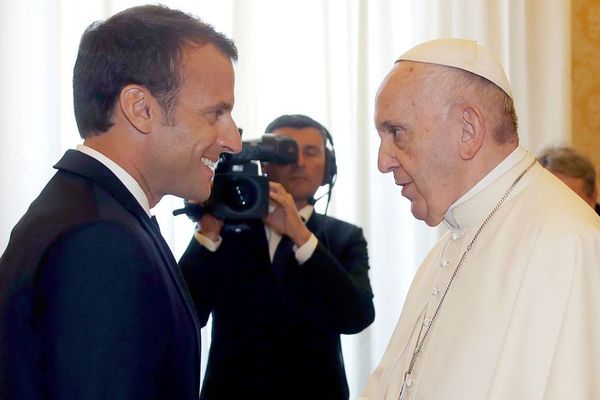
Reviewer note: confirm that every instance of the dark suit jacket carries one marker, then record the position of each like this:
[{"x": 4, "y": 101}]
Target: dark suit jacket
[
  {"x": 279, "y": 337},
  {"x": 92, "y": 304}
]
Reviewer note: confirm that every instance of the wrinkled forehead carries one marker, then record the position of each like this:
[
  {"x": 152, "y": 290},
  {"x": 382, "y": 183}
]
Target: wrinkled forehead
[
  {"x": 405, "y": 75},
  {"x": 406, "y": 80},
  {"x": 411, "y": 92}
]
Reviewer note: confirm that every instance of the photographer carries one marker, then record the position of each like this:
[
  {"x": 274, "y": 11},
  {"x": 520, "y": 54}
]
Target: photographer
[{"x": 282, "y": 291}]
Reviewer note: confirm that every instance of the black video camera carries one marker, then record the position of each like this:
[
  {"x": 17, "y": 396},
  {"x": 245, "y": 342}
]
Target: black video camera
[{"x": 240, "y": 190}]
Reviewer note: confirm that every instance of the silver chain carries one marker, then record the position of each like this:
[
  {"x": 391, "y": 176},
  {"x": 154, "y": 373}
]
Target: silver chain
[{"x": 421, "y": 341}]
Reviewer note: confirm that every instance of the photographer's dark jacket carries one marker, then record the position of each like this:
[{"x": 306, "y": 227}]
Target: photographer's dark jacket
[{"x": 276, "y": 326}]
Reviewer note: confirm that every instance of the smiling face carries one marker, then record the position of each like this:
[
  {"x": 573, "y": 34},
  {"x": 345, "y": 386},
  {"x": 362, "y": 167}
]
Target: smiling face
[
  {"x": 418, "y": 132},
  {"x": 185, "y": 148},
  {"x": 302, "y": 179}
]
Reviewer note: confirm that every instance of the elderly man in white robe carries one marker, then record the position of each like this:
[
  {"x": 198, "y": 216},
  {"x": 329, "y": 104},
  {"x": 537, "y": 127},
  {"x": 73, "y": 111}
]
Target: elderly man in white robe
[{"x": 507, "y": 303}]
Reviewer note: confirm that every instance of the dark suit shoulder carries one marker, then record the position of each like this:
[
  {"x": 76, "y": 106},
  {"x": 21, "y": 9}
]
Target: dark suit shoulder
[
  {"x": 69, "y": 207},
  {"x": 86, "y": 281},
  {"x": 336, "y": 222},
  {"x": 335, "y": 233},
  {"x": 69, "y": 200}
]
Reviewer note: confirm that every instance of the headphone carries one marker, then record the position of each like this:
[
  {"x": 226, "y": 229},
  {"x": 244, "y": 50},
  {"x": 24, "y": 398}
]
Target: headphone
[{"x": 330, "y": 174}]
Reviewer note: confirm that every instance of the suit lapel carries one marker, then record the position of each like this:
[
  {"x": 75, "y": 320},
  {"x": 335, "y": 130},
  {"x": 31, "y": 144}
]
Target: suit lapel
[
  {"x": 81, "y": 164},
  {"x": 314, "y": 224},
  {"x": 90, "y": 168},
  {"x": 152, "y": 228}
]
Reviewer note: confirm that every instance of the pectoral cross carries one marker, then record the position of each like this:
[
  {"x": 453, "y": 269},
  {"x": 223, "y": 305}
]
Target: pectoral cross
[{"x": 405, "y": 385}]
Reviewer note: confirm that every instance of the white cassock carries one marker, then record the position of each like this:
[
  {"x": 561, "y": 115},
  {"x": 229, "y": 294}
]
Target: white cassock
[{"x": 522, "y": 317}]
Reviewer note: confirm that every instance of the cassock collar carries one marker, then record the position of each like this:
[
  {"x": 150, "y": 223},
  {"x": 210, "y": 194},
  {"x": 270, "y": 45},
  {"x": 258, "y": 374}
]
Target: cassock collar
[{"x": 478, "y": 202}]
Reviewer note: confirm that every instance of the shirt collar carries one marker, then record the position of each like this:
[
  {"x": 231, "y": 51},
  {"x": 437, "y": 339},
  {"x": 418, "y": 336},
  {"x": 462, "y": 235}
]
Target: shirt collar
[
  {"x": 130, "y": 183},
  {"x": 513, "y": 159},
  {"x": 306, "y": 212}
]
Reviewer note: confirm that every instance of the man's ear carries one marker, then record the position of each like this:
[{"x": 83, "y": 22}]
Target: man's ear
[
  {"x": 473, "y": 132},
  {"x": 139, "y": 107}
]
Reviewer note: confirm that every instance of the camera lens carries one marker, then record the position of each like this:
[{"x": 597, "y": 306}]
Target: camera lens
[{"x": 241, "y": 194}]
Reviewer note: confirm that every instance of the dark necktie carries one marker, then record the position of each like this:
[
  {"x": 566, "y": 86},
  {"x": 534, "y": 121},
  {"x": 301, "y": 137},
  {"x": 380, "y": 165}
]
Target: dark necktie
[
  {"x": 174, "y": 270},
  {"x": 282, "y": 254},
  {"x": 154, "y": 222}
]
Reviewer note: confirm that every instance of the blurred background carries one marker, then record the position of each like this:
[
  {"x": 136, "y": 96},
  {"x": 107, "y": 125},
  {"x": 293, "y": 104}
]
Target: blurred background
[{"x": 326, "y": 59}]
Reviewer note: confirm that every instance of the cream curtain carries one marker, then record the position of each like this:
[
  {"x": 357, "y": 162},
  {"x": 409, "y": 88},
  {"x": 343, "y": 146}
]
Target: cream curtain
[{"x": 324, "y": 58}]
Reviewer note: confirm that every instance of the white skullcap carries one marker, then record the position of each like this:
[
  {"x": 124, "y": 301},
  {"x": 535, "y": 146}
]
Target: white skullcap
[{"x": 461, "y": 53}]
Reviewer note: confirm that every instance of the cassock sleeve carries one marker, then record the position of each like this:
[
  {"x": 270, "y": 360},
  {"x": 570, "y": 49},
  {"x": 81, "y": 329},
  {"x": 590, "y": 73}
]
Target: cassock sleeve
[
  {"x": 575, "y": 358},
  {"x": 553, "y": 340}
]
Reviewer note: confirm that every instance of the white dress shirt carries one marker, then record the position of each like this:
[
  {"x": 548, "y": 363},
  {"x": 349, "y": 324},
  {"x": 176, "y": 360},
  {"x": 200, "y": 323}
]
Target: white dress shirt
[
  {"x": 301, "y": 253},
  {"x": 131, "y": 184}
]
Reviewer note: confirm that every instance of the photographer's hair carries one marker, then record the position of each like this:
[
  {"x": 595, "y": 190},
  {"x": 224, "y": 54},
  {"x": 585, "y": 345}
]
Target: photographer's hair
[
  {"x": 299, "y": 121},
  {"x": 566, "y": 161},
  {"x": 141, "y": 45}
]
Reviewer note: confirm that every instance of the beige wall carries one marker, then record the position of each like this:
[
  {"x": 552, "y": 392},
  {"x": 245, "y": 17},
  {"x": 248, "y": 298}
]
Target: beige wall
[{"x": 585, "y": 59}]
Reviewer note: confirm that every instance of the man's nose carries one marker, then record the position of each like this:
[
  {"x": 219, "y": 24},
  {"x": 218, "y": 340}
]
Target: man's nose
[
  {"x": 231, "y": 139},
  {"x": 300, "y": 161},
  {"x": 385, "y": 162}
]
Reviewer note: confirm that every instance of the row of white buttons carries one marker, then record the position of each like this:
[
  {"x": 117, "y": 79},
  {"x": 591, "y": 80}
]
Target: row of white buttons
[{"x": 444, "y": 263}]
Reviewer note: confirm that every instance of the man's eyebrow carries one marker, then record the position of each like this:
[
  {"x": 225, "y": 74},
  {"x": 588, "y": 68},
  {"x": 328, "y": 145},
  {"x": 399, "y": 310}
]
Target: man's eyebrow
[
  {"x": 385, "y": 125},
  {"x": 313, "y": 147},
  {"x": 221, "y": 106},
  {"x": 391, "y": 124}
]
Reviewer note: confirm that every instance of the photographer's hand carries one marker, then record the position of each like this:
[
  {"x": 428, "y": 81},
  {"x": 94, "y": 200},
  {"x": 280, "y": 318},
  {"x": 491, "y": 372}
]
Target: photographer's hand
[
  {"x": 210, "y": 226},
  {"x": 285, "y": 218}
]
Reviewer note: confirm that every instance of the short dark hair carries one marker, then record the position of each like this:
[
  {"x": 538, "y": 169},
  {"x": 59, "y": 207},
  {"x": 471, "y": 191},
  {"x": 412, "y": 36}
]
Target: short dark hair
[
  {"x": 141, "y": 45},
  {"x": 567, "y": 161},
  {"x": 297, "y": 121}
]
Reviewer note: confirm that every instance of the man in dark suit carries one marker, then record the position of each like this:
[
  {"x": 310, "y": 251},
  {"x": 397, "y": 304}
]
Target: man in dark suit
[
  {"x": 92, "y": 303},
  {"x": 282, "y": 291}
]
